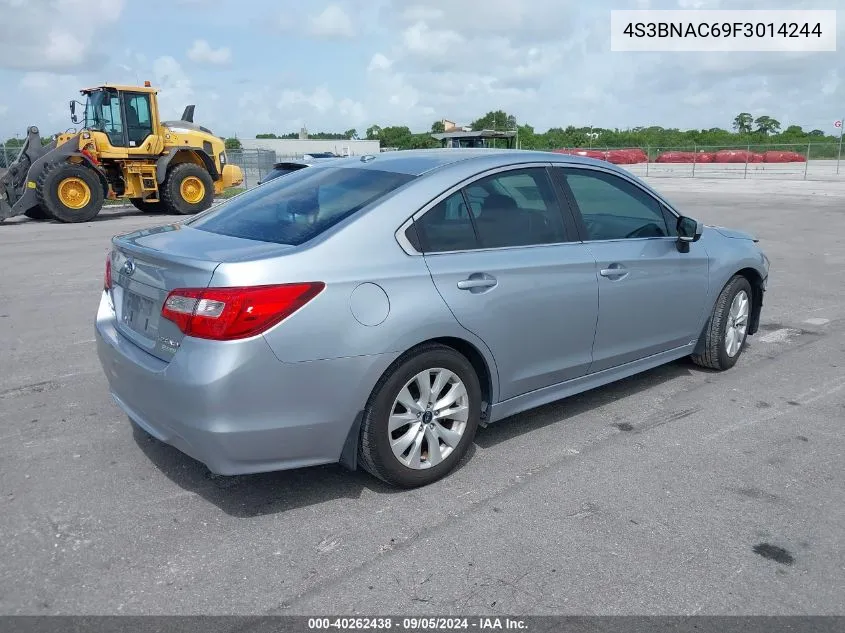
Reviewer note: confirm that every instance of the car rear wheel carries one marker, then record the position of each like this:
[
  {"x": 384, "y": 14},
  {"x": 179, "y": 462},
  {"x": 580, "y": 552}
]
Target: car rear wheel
[
  {"x": 727, "y": 328},
  {"x": 421, "y": 418}
]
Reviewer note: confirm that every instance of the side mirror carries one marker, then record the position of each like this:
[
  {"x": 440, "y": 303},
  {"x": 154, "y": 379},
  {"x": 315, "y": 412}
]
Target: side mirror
[
  {"x": 73, "y": 116},
  {"x": 689, "y": 230}
]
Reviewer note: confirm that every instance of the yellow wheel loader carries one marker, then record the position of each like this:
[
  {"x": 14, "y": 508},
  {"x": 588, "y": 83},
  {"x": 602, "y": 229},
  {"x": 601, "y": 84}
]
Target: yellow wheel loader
[{"x": 123, "y": 151}]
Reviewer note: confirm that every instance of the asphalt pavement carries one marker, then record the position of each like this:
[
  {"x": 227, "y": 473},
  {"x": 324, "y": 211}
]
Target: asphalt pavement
[{"x": 678, "y": 491}]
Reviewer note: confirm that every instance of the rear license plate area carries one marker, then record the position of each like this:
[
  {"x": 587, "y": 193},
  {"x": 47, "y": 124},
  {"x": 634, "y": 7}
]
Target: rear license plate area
[{"x": 138, "y": 314}]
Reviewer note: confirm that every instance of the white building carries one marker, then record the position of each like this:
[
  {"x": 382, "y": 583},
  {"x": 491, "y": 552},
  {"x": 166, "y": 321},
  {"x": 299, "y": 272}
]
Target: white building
[{"x": 296, "y": 148}]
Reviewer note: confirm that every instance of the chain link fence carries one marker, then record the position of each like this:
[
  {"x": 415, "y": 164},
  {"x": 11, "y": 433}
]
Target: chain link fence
[
  {"x": 8, "y": 153},
  {"x": 255, "y": 163},
  {"x": 805, "y": 161}
]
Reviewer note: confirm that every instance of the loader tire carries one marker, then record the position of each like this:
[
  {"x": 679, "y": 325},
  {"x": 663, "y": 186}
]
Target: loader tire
[
  {"x": 70, "y": 192},
  {"x": 188, "y": 189},
  {"x": 38, "y": 213},
  {"x": 147, "y": 207}
]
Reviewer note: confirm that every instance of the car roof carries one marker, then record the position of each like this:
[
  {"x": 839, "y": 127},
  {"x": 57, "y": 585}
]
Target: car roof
[{"x": 421, "y": 161}]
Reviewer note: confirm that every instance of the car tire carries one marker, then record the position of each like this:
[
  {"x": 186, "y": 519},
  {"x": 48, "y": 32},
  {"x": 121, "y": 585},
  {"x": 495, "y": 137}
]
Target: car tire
[
  {"x": 38, "y": 213},
  {"x": 382, "y": 424},
  {"x": 732, "y": 313},
  {"x": 187, "y": 190},
  {"x": 147, "y": 207},
  {"x": 70, "y": 192}
]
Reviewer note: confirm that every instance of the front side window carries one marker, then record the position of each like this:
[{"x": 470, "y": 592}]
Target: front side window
[
  {"x": 614, "y": 209},
  {"x": 300, "y": 206}
]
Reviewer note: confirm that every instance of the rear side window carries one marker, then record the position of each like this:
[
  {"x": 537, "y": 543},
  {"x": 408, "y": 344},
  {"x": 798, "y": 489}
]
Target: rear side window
[
  {"x": 509, "y": 209},
  {"x": 516, "y": 208},
  {"x": 446, "y": 227},
  {"x": 300, "y": 206}
]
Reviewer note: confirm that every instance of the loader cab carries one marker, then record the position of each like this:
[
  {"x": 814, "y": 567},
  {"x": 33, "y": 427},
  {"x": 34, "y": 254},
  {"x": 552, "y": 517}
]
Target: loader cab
[{"x": 128, "y": 116}]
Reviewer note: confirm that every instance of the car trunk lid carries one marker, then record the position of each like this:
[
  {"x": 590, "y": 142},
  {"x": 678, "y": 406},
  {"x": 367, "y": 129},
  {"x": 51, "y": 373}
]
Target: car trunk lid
[{"x": 147, "y": 265}]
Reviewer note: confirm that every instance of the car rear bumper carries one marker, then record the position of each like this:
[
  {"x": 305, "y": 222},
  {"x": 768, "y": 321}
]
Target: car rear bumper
[{"x": 234, "y": 406}]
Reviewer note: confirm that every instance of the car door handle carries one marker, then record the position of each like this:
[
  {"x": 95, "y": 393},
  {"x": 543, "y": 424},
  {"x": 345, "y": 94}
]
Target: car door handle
[
  {"x": 477, "y": 282},
  {"x": 614, "y": 271},
  {"x": 469, "y": 284}
]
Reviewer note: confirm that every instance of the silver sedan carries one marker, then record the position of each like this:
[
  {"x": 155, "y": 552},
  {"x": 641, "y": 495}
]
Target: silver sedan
[{"x": 376, "y": 311}]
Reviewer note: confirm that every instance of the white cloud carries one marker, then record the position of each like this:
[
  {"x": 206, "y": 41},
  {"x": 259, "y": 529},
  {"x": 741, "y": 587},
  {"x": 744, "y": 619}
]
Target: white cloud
[
  {"x": 321, "y": 99},
  {"x": 379, "y": 62},
  {"x": 55, "y": 35},
  {"x": 353, "y": 111},
  {"x": 202, "y": 52},
  {"x": 176, "y": 87},
  {"x": 333, "y": 21},
  {"x": 52, "y": 91}
]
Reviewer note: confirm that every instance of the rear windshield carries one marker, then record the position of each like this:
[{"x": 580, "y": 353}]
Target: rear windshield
[{"x": 300, "y": 206}]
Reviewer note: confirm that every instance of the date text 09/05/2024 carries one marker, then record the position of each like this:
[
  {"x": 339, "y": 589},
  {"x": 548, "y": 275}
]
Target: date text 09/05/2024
[{"x": 417, "y": 624}]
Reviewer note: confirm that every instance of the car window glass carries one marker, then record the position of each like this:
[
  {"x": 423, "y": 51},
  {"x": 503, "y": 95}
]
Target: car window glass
[
  {"x": 446, "y": 227},
  {"x": 614, "y": 209},
  {"x": 300, "y": 206},
  {"x": 671, "y": 221},
  {"x": 519, "y": 208}
]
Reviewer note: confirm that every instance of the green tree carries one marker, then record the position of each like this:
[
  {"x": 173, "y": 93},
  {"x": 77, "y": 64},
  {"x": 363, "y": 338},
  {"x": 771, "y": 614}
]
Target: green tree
[
  {"x": 351, "y": 134},
  {"x": 527, "y": 138},
  {"x": 373, "y": 132},
  {"x": 767, "y": 125},
  {"x": 266, "y": 135},
  {"x": 395, "y": 136},
  {"x": 496, "y": 120},
  {"x": 233, "y": 143},
  {"x": 742, "y": 122},
  {"x": 437, "y": 127}
]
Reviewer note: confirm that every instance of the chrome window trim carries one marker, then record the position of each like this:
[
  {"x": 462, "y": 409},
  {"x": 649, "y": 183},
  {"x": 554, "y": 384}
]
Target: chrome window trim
[{"x": 408, "y": 248}]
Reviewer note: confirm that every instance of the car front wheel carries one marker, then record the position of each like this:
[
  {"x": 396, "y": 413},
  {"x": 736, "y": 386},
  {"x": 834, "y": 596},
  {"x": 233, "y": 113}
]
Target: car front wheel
[
  {"x": 727, "y": 328},
  {"x": 422, "y": 417}
]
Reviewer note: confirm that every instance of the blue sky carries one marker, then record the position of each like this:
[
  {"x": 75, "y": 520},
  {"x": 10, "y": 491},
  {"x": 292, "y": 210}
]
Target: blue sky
[{"x": 256, "y": 66}]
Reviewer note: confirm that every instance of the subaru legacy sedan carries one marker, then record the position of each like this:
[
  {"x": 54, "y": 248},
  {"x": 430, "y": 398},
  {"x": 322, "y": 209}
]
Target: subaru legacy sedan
[{"x": 376, "y": 311}]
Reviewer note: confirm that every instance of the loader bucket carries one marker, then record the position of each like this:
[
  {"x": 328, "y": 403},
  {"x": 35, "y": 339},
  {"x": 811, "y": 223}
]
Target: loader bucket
[{"x": 16, "y": 195}]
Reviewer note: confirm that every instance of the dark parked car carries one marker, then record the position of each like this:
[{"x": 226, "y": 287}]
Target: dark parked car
[{"x": 290, "y": 166}]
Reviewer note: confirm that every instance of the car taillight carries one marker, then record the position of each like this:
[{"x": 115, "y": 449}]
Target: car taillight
[
  {"x": 107, "y": 277},
  {"x": 225, "y": 314}
]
